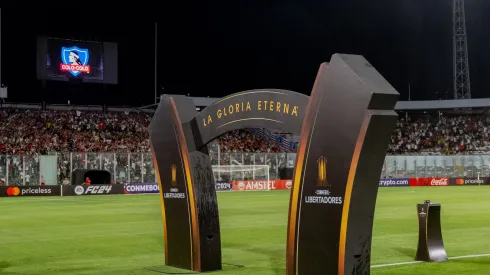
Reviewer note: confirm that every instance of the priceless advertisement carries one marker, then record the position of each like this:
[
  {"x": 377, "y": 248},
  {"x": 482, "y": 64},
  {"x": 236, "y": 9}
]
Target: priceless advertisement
[
  {"x": 470, "y": 181},
  {"x": 393, "y": 182},
  {"x": 141, "y": 188},
  {"x": 22, "y": 191},
  {"x": 261, "y": 185},
  {"x": 87, "y": 190}
]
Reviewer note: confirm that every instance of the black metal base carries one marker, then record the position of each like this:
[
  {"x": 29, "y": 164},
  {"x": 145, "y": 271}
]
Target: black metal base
[
  {"x": 172, "y": 270},
  {"x": 430, "y": 245}
]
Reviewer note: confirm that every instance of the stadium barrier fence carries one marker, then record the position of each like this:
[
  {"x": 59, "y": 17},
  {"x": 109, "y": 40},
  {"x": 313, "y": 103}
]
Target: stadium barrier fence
[
  {"x": 247, "y": 185},
  {"x": 138, "y": 167}
]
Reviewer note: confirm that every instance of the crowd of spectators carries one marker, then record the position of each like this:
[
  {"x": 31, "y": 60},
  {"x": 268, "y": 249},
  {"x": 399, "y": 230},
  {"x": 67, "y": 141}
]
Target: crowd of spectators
[
  {"x": 28, "y": 132},
  {"x": 40, "y": 132},
  {"x": 419, "y": 134},
  {"x": 444, "y": 134},
  {"x": 246, "y": 141},
  {"x": 34, "y": 132}
]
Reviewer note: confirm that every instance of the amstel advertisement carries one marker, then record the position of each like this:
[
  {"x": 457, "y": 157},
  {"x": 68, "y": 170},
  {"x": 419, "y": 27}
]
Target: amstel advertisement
[{"x": 261, "y": 185}]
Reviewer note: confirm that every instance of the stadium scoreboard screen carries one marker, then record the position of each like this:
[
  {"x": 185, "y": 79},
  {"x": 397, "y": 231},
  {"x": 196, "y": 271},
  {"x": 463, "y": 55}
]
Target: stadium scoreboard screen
[{"x": 67, "y": 60}]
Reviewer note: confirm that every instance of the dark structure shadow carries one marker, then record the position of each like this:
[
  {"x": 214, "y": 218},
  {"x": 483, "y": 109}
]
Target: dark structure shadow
[
  {"x": 4, "y": 265},
  {"x": 276, "y": 256},
  {"x": 409, "y": 252}
]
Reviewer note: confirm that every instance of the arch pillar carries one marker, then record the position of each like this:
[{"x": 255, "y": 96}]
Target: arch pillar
[{"x": 344, "y": 130}]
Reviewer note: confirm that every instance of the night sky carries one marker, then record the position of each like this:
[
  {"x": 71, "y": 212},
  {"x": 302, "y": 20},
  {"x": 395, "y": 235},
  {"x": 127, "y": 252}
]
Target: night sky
[{"x": 222, "y": 48}]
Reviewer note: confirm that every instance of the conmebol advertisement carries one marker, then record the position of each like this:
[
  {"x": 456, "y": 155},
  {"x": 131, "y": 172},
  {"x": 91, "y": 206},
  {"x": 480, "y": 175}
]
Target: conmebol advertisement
[
  {"x": 152, "y": 187},
  {"x": 141, "y": 188}
]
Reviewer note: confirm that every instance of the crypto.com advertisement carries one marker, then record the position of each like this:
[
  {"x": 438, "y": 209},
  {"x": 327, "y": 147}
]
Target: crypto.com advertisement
[
  {"x": 434, "y": 181},
  {"x": 393, "y": 182},
  {"x": 68, "y": 59}
]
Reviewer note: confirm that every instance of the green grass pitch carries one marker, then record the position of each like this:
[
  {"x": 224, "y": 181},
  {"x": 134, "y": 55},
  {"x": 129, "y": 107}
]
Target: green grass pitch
[{"x": 123, "y": 234}]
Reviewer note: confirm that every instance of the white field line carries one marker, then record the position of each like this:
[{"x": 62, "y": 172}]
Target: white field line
[{"x": 418, "y": 262}]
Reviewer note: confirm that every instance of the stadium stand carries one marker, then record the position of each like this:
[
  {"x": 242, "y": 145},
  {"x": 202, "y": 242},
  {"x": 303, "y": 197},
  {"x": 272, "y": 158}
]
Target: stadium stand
[
  {"x": 33, "y": 131},
  {"x": 40, "y": 132},
  {"x": 247, "y": 141},
  {"x": 441, "y": 135}
]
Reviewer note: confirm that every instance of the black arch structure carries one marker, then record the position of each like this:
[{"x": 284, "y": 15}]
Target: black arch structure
[{"x": 345, "y": 125}]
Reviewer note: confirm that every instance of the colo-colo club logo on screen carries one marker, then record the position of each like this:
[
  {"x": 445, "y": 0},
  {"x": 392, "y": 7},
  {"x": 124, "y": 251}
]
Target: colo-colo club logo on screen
[
  {"x": 322, "y": 192},
  {"x": 74, "y": 60},
  {"x": 174, "y": 191}
]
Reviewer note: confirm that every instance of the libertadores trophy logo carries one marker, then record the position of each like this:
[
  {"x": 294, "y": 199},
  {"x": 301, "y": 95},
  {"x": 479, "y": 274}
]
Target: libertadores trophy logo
[
  {"x": 322, "y": 172},
  {"x": 174, "y": 174},
  {"x": 74, "y": 60}
]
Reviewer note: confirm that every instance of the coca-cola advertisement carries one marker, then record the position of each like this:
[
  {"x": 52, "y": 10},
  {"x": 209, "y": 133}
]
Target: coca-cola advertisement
[
  {"x": 429, "y": 182},
  {"x": 439, "y": 182}
]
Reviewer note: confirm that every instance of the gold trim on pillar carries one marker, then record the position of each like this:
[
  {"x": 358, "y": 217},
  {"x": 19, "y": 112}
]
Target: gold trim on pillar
[
  {"x": 348, "y": 191},
  {"x": 295, "y": 200},
  {"x": 173, "y": 167},
  {"x": 291, "y": 254},
  {"x": 184, "y": 152},
  {"x": 162, "y": 203},
  {"x": 426, "y": 231}
]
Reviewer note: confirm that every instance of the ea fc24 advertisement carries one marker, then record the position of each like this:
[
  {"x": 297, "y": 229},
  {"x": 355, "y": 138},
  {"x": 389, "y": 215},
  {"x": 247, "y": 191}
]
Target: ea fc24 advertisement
[{"x": 95, "y": 189}]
